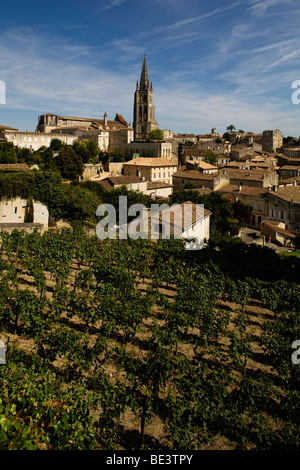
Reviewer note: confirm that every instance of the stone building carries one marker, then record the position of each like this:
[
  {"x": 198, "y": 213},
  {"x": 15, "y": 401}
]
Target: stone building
[
  {"x": 276, "y": 232},
  {"x": 255, "y": 196},
  {"x": 14, "y": 214},
  {"x": 187, "y": 221},
  {"x": 202, "y": 166},
  {"x": 108, "y": 134},
  {"x": 34, "y": 140},
  {"x": 152, "y": 169},
  {"x": 198, "y": 179},
  {"x": 293, "y": 152},
  {"x": 159, "y": 189},
  {"x": 144, "y": 110},
  {"x": 252, "y": 177},
  {"x": 288, "y": 171},
  {"x": 272, "y": 140},
  {"x": 134, "y": 183},
  {"x": 149, "y": 149},
  {"x": 284, "y": 206}
]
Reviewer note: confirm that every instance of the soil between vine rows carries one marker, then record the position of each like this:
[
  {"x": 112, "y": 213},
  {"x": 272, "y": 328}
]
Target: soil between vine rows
[{"x": 129, "y": 424}]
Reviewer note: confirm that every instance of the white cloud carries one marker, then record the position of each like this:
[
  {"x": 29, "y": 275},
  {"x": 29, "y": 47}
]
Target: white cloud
[
  {"x": 68, "y": 80},
  {"x": 190, "y": 20},
  {"x": 108, "y": 6},
  {"x": 292, "y": 56},
  {"x": 260, "y": 6}
]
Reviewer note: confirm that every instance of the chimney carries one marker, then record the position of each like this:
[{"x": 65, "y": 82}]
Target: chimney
[
  {"x": 240, "y": 188},
  {"x": 105, "y": 119}
]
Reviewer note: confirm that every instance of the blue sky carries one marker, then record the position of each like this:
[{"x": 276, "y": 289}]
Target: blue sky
[{"x": 212, "y": 63}]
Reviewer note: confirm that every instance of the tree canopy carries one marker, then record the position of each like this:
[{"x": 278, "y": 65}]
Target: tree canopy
[
  {"x": 156, "y": 134},
  {"x": 69, "y": 163}
]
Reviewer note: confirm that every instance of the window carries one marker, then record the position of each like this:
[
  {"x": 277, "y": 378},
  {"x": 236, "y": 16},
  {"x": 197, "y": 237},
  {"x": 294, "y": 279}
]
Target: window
[
  {"x": 281, "y": 214},
  {"x": 154, "y": 175},
  {"x": 16, "y": 210},
  {"x": 260, "y": 206}
]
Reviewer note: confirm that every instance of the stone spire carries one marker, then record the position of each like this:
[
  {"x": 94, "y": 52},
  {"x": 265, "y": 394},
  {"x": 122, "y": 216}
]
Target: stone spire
[
  {"x": 144, "y": 110},
  {"x": 144, "y": 82}
]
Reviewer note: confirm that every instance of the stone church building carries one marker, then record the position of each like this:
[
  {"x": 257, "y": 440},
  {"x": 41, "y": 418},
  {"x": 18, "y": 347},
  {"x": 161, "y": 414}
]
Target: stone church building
[{"x": 144, "y": 110}]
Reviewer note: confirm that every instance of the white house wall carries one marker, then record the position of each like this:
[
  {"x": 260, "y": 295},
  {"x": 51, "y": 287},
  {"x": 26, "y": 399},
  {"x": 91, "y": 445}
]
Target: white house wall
[{"x": 14, "y": 210}]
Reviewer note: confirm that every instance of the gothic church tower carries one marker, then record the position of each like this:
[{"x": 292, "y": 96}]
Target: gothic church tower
[{"x": 144, "y": 111}]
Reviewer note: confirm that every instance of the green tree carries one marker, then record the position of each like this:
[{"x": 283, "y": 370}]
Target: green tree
[
  {"x": 86, "y": 149},
  {"x": 69, "y": 163},
  {"x": 30, "y": 214},
  {"x": 48, "y": 159},
  {"x": 231, "y": 128},
  {"x": 8, "y": 153},
  {"x": 156, "y": 134},
  {"x": 56, "y": 145},
  {"x": 210, "y": 157}
]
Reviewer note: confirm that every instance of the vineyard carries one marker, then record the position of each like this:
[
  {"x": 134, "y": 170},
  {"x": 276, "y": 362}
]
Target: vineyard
[{"x": 139, "y": 345}]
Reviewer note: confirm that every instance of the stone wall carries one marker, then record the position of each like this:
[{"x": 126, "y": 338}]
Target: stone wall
[{"x": 28, "y": 228}]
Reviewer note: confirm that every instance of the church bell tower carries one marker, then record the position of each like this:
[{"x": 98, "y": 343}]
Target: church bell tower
[{"x": 144, "y": 111}]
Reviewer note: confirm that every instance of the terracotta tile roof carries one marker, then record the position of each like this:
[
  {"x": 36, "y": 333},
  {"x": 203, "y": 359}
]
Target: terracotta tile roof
[
  {"x": 112, "y": 181},
  {"x": 153, "y": 162},
  {"x": 288, "y": 193},
  {"x": 158, "y": 184},
  {"x": 257, "y": 174},
  {"x": 200, "y": 190},
  {"x": 116, "y": 180},
  {"x": 289, "y": 181},
  {"x": 246, "y": 190},
  {"x": 206, "y": 166},
  {"x": 229, "y": 197},
  {"x": 290, "y": 167},
  {"x": 7, "y": 128},
  {"x": 184, "y": 215},
  {"x": 118, "y": 122},
  {"x": 194, "y": 174},
  {"x": 278, "y": 229},
  {"x": 105, "y": 183}
]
